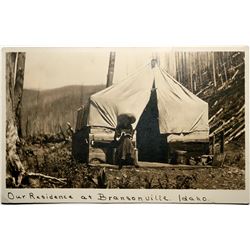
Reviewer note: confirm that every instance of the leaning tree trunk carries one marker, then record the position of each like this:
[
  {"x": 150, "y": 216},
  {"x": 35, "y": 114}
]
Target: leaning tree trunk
[
  {"x": 14, "y": 88},
  {"x": 18, "y": 91}
]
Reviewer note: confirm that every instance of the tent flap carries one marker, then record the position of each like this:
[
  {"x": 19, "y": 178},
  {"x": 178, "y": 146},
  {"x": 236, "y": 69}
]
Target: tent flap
[
  {"x": 180, "y": 111},
  {"x": 130, "y": 96}
]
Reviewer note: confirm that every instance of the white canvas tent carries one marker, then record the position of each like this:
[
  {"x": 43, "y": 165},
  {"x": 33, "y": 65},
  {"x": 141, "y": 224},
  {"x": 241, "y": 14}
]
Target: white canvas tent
[{"x": 181, "y": 114}]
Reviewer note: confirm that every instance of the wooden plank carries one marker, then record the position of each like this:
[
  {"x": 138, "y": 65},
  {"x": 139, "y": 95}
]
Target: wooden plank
[{"x": 146, "y": 165}]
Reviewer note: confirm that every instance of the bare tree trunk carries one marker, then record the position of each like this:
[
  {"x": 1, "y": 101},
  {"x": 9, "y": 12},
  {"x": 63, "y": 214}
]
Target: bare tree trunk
[
  {"x": 224, "y": 66},
  {"x": 27, "y": 128},
  {"x": 15, "y": 168},
  {"x": 18, "y": 90},
  {"x": 200, "y": 69},
  {"x": 111, "y": 69},
  {"x": 191, "y": 71},
  {"x": 214, "y": 73}
]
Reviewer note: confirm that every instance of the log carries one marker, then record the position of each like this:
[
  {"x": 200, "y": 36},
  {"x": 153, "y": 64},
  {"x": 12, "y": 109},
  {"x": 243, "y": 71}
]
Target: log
[
  {"x": 231, "y": 131},
  {"x": 223, "y": 85},
  {"x": 237, "y": 71},
  {"x": 201, "y": 91},
  {"x": 240, "y": 110},
  {"x": 217, "y": 130},
  {"x": 217, "y": 113},
  {"x": 237, "y": 117},
  {"x": 239, "y": 65},
  {"x": 51, "y": 178},
  {"x": 213, "y": 127},
  {"x": 239, "y": 133},
  {"x": 235, "y": 54},
  {"x": 238, "y": 129},
  {"x": 228, "y": 131},
  {"x": 235, "y": 132},
  {"x": 240, "y": 119},
  {"x": 229, "y": 121}
]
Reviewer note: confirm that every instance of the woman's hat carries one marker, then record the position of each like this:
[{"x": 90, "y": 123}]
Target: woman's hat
[{"x": 126, "y": 117}]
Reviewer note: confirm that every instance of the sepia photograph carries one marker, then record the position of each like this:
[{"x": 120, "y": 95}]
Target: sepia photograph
[
  {"x": 124, "y": 124},
  {"x": 132, "y": 119}
]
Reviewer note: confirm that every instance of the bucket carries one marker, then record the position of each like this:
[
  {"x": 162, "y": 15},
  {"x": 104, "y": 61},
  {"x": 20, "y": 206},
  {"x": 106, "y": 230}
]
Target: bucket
[{"x": 180, "y": 157}]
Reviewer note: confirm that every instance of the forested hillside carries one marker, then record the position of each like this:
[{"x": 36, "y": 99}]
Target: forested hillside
[
  {"x": 198, "y": 70},
  {"x": 219, "y": 79},
  {"x": 45, "y": 111}
]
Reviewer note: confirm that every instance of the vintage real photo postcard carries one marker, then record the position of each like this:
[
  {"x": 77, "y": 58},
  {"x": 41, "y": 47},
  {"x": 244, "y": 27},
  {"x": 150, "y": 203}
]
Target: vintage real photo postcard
[{"x": 121, "y": 125}]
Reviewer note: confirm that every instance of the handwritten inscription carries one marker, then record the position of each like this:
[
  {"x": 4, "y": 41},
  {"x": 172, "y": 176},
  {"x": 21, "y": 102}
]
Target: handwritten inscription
[
  {"x": 153, "y": 198},
  {"x": 32, "y": 196},
  {"x": 187, "y": 198},
  {"x": 102, "y": 197}
]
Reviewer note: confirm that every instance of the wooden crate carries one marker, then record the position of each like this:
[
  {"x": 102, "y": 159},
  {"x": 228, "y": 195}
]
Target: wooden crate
[{"x": 101, "y": 145}]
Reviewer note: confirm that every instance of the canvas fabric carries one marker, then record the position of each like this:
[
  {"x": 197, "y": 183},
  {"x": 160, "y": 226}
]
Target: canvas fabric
[{"x": 180, "y": 111}]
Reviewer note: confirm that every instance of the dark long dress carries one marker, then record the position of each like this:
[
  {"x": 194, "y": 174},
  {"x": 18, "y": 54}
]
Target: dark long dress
[{"x": 125, "y": 147}]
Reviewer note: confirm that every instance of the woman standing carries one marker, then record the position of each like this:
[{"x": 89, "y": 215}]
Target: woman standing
[{"x": 123, "y": 136}]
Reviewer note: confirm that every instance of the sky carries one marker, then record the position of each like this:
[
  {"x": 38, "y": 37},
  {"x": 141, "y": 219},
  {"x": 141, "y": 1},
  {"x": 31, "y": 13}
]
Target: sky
[{"x": 48, "y": 68}]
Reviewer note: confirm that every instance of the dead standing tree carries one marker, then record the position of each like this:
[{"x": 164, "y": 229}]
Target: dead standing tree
[{"x": 15, "y": 63}]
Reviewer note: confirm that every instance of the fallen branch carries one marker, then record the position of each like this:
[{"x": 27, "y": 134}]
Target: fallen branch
[
  {"x": 39, "y": 175},
  {"x": 240, "y": 119},
  {"x": 201, "y": 91},
  {"x": 214, "y": 125},
  {"x": 217, "y": 130},
  {"x": 236, "y": 133},
  {"x": 228, "y": 131},
  {"x": 237, "y": 71},
  {"x": 240, "y": 110},
  {"x": 217, "y": 113},
  {"x": 239, "y": 65},
  {"x": 224, "y": 84},
  {"x": 237, "y": 129}
]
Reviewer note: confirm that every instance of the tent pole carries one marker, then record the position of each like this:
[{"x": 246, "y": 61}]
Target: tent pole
[{"x": 111, "y": 69}]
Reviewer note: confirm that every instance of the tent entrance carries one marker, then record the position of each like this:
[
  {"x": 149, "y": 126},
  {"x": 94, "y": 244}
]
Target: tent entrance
[{"x": 152, "y": 146}]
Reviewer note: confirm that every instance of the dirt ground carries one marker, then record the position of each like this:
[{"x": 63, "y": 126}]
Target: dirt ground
[{"x": 54, "y": 159}]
